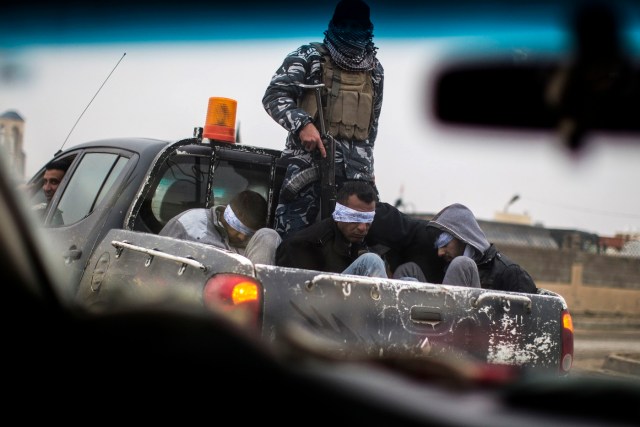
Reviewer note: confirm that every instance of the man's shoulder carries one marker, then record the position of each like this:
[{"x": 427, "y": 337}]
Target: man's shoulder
[
  {"x": 319, "y": 47},
  {"x": 378, "y": 69},
  {"x": 384, "y": 208},
  {"x": 193, "y": 213},
  {"x": 176, "y": 222},
  {"x": 504, "y": 260},
  {"x": 309, "y": 49},
  {"x": 497, "y": 254}
]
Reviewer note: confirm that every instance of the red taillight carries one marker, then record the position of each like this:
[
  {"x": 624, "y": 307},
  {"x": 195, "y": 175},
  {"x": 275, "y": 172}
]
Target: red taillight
[
  {"x": 566, "y": 357},
  {"x": 237, "y": 295}
]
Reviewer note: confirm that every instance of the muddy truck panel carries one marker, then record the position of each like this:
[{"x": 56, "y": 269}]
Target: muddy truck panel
[
  {"x": 386, "y": 317},
  {"x": 131, "y": 268}
]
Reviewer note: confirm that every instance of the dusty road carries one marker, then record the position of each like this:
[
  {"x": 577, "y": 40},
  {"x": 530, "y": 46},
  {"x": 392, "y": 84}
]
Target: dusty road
[{"x": 593, "y": 343}]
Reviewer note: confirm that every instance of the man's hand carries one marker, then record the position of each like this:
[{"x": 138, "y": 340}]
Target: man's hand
[{"x": 310, "y": 138}]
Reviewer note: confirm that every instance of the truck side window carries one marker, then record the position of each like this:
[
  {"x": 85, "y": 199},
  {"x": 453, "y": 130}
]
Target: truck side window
[
  {"x": 188, "y": 180},
  {"x": 91, "y": 180},
  {"x": 231, "y": 177},
  {"x": 34, "y": 189},
  {"x": 182, "y": 186}
]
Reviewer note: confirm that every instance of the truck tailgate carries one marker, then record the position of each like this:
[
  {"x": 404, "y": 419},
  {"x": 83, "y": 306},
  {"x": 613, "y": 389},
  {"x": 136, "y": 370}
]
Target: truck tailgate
[{"x": 387, "y": 317}]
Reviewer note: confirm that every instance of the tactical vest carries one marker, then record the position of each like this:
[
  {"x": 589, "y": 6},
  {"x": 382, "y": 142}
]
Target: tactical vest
[{"x": 347, "y": 100}]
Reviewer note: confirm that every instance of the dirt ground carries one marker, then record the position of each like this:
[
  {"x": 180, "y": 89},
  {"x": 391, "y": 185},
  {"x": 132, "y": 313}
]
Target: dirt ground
[
  {"x": 587, "y": 364},
  {"x": 598, "y": 335}
]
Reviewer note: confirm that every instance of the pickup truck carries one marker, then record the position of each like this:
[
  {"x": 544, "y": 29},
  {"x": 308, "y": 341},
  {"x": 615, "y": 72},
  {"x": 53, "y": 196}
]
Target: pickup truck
[{"x": 118, "y": 194}]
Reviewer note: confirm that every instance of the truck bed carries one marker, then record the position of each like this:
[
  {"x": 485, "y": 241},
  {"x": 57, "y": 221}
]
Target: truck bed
[{"x": 356, "y": 316}]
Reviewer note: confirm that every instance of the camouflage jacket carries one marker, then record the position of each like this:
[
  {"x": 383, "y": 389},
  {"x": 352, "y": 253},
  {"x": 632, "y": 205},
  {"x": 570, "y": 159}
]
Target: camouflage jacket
[{"x": 354, "y": 159}]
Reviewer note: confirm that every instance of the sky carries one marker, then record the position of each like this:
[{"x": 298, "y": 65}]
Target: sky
[{"x": 162, "y": 92}]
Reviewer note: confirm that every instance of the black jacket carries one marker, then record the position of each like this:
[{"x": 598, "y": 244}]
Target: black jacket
[
  {"x": 499, "y": 272},
  {"x": 407, "y": 239},
  {"x": 321, "y": 247},
  {"x": 394, "y": 235}
]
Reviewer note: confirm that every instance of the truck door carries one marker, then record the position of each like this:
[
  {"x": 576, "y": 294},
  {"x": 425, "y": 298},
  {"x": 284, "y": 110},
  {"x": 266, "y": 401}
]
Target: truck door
[{"x": 80, "y": 209}]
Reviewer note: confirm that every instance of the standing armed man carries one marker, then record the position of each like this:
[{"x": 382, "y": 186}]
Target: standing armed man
[{"x": 346, "y": 63}]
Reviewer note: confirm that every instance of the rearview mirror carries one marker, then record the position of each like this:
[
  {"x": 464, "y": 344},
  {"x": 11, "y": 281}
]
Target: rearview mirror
[
  {"x": 528, "y": 96},
  {"x": 596, "y": 87}
]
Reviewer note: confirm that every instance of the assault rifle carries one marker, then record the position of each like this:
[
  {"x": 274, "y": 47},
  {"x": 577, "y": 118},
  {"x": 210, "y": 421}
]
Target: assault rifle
[{"x": 328, "y": 164}]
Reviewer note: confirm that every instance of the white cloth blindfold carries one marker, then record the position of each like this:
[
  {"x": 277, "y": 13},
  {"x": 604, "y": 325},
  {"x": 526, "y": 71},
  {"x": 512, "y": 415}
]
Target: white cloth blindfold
[
  {"x": 235, "y": 223},
  {"x": 342, "y": 213}
]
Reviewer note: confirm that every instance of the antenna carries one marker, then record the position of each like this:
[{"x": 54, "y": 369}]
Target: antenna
[{"x": 94, "y": 97}]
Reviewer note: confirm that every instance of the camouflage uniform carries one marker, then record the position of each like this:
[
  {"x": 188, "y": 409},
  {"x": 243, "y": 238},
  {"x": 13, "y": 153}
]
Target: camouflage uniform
[{"x": 354, "y": 159}]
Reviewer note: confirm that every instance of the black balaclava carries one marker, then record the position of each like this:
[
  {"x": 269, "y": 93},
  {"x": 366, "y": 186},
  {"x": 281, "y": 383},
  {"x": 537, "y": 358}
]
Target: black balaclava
[{"x": 349, "y": 37}]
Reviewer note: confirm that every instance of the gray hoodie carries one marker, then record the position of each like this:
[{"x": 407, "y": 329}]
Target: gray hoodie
[
  {"x": 201, "y": 225},
  {"x": 496, "y": 270},
  {"x": 459, "y": 221}
]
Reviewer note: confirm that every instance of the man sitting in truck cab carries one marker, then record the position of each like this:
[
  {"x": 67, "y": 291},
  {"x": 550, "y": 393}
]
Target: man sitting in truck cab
[
  {"x": 239, "y": 226},
  {"x": 54, "y": 172}
]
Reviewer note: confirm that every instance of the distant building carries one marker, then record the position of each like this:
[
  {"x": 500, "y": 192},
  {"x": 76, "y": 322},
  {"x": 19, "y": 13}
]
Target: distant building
[
  {"x": 518, "y": 231},
  {"x": 616, "y": 242},
  {"x": 513, "y": 218},
  {"x": 12, "y": 140}
]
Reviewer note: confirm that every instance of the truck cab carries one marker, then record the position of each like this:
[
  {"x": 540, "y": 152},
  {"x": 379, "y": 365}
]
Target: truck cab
[{"x": 139, "y": 184}]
